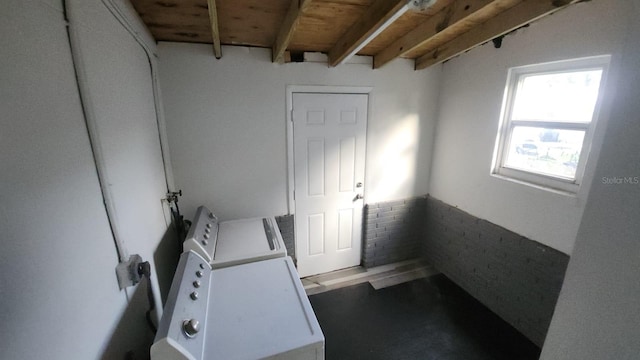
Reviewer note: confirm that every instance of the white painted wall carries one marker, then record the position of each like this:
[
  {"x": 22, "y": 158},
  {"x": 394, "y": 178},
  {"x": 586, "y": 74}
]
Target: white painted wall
[
  {"x": 120, "y": 101},
  {"x": 58, "y": 291},
  {"x": 597, "y": 315},
  {"x": 227, "y": 130},
  {"x": 471, "y": 96},
  {"x": 59, "y": 295}
]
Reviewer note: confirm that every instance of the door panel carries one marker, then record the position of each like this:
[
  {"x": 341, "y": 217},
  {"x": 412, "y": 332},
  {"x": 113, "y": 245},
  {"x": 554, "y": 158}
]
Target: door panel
[
  {"x": 345, "y": 229},
  {"x": 316, "y": 234},
  {"x": 329, "y": 152},
  {"x": 315, "y": 161},
  {"x": 347, "y": 163}
]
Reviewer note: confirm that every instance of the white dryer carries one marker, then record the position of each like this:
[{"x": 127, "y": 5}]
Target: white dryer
[
  {"x": 252, "y": 311},
  {"x": 234, "y": 242}
]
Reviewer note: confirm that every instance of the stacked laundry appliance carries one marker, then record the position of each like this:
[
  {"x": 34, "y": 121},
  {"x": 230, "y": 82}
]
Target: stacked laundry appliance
[{"x": 236, "y": 295}]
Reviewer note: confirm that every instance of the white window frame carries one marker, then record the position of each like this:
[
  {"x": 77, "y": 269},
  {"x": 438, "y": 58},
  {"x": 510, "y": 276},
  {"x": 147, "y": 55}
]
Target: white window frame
[{"x": 514, "y": 77}]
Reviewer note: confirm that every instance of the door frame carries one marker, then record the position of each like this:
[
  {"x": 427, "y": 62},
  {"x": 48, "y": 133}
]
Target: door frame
[{"x": 317, "y": 89}]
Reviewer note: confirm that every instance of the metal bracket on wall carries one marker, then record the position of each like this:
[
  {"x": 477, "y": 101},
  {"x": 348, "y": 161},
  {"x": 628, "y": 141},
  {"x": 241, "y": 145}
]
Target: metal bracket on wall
[
  {"x": 173, "y": 196},
  {"x": 127, "y": 271}
]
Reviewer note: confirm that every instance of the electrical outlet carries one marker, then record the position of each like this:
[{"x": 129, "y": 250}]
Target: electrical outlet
[{"x": 127, "y": 271}]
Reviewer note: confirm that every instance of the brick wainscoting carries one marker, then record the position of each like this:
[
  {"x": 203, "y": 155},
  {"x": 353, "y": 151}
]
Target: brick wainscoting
[
  {"x": 285, "y": 223},
  {"x": 393, "y": 231},
  {"x": 517, "y": 278}
]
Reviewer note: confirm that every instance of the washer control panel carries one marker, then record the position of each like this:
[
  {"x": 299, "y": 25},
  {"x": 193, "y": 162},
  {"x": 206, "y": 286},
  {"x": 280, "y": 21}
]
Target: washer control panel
[
  {"x": 180, "y": 332},
  {"x": 203, "y": 234}
]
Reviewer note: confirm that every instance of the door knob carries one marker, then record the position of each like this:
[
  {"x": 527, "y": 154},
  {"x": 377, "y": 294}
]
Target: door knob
[{"x": 358, "y": 197}]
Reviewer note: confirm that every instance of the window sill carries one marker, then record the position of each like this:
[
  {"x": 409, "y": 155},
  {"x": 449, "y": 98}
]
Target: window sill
[{"x": 570, "y": 191}]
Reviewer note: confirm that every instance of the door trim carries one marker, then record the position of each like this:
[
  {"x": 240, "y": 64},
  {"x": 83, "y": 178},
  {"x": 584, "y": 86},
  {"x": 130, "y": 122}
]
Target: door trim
[{"x": 318, "y": 89}]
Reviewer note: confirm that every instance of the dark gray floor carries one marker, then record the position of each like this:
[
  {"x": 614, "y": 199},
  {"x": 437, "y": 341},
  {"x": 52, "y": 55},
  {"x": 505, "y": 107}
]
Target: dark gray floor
[{"x": 428, "y": 318}]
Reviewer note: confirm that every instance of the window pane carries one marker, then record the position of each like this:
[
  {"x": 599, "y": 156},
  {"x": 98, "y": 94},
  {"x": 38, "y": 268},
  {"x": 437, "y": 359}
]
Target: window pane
[
  {"x": 552, "y": 152},
  {"x": 569, "y": 96}
]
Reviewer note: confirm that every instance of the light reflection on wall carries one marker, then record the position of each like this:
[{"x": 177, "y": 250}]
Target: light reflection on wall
[{"x": 394, "y": 167}]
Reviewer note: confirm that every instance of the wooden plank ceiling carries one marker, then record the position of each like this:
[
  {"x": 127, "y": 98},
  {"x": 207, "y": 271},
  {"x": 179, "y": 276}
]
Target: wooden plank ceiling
[{"x": 432, "y": 32}]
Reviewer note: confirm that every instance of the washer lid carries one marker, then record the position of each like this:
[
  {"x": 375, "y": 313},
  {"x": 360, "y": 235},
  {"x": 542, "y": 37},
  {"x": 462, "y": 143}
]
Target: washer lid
[
  {"x": 247, "y": 240},
  {"x": 258, "y": 310}
]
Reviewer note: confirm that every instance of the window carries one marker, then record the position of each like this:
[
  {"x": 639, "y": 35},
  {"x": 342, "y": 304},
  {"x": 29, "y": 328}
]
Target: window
[{"x": 547, "y": 122}]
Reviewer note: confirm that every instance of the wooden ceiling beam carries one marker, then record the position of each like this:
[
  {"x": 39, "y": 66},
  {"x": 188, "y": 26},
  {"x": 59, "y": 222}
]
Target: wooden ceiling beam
[
  {"x": 509, "y": 20},
  {"x": 373, "y": 21},
  {"x": 215, "y": 32},
  {"x": 456, "y": 18},
  {"x": 288, "y": 28}
]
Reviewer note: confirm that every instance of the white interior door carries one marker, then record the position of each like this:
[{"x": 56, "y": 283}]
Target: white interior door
[{"x": 329, "y": 156}]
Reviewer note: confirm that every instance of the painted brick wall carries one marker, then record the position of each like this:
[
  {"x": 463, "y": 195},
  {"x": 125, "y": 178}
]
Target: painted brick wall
[
  {"x": 393, "y": 231},
  {"x": 517, "y": 278},
  {"x": 285, "y": 223}
]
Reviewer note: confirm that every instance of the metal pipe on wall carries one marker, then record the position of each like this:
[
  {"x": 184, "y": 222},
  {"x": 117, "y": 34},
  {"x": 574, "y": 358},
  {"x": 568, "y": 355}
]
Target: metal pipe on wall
[
  {"x": 94, "y": 139},
  {"x": 153, "y": 65},
  {"x": 91, "y": 120}
]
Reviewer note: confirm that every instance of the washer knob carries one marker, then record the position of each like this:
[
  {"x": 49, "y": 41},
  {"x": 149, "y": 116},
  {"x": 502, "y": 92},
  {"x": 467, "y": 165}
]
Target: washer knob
[
  {"x": 207, "y": 230},
  {"x": 205, "y": 242},
  {"x": 191, "y": 327},
  {"x": 199, "y": 273},
  {"x": 194, "y": 295},
  {"x": 196, "y": 284},
  {"x": 206, "y": 236},
  {"x": 209, "y": 225}
]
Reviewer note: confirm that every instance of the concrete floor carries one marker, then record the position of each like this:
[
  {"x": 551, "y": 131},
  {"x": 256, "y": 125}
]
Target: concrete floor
[{"x": 427, "y": 318}]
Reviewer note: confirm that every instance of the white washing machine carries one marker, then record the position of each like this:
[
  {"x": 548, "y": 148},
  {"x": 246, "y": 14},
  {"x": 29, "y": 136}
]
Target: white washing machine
[
  {"x": 251, "y": 311},
  {"x": 234, "y": 242}
]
